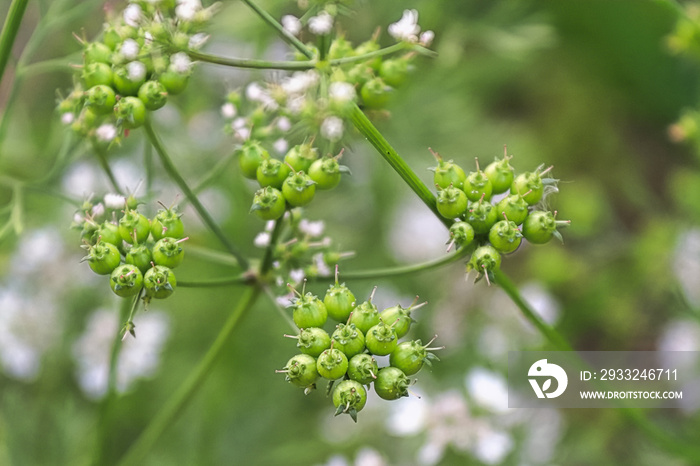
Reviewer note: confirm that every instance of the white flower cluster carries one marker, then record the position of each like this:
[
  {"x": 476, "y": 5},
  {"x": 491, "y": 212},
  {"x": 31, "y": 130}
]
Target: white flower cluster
[{"x": 407, "y": 29}]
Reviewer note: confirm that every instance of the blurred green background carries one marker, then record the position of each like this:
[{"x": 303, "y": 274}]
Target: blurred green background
[{"x": 590, "y": 87}]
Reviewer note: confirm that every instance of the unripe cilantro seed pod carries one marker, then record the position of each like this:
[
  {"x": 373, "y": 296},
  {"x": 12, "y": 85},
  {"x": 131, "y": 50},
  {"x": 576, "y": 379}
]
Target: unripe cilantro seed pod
[
  {"x": 168, "y": 252},
  {"x": 410, "y": 356},
  {"x": 167, "y": 223},
  {"x": 381, "y": 339},
  {"x": 461, "y": 233},
  {"x": 153, "y": 95},
  {"x": 272, "y": 172},
  {"x": 394, "y": 71},
  {"x": 540, "y": 227},
  {"x": 134, "y": 223},
  {"x": 484, "y": 260},
  {"x": 103, "y": 258},
  {"x": 174, "y": 82},
  {"x": 298, "y": 189},
  {"x": 326, "y": 172},
  {"x": 332, "y": 364},
  {"x": 312, "y": 341},
  {"x": 500, "y": 173},
  {"x": 447, "y": 173},
  {"x": 130, "y": 112},
  {"x": 97, "y": 52},
  {"x": 481, "y": 216},
  {"x": 159, "y": 282},
  {"x": 348, "y": 339},
  {"x": 375, "y": 93},
  {"x": 126, "y": 280},
  {"x": 530, "y": 185},
  {"x": 400, "y": 317},
  {"x": 349, "y": 397},
  {"x": 268, "y": 204},
  {"x": 477, "y": 185},
  {"x": 140, "y": 256},
  {"x": 391, "y": 383},
  {"x": 128, "y": 83},
  {"x": 451, "y": 202},
  {"x": 101, "y": 99},
  {"x": 339, "y": 302},
  {"x": 300, "y": 157},
  {"x": 505, "y": 236},
  {"x": 251, "y": 154},
  {"x": 301, "y": 371},
  {"x": 95, "y": 74},
  {"x": 363, "y": 368},
  {"x": 107, "y": 232},
  {"x": 366, "y": 315},
  {"x": 514, "y": 208},
  {"x": 309, "y": 311}
]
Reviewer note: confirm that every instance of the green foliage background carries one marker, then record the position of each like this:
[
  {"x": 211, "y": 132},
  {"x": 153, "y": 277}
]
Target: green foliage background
[{"x": 586, "y": 86}]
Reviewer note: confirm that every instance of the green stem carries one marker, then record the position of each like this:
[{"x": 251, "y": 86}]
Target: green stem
[
  {"x": 402, "y": 269},
  {"x": 167, "y": 415},
  {"x": 368, "y": 130},
  {"x": 9, "y": 31},
  {"x": 102, "y": 158},
  {"x": 554, "y": 337},
  {"x": 286, "y": 36},
  {"x": 368, "y": 56},
  {"x": 250, "y": 63},
  {"x": 211, "y": 255},
  {"x": 182, "y": 396},
  {"x": 191, "y": 196},
  {"x": 215, "y": 282},
  {"x": 106, "y": 404}
]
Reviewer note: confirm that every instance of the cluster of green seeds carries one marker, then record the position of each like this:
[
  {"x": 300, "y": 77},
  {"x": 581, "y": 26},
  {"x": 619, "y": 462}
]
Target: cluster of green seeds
[
  {"x": 492, "y": 229},
  {"x": 291, "y": 182},
  {"x": 137, "y": 63},
  {"x": 345, "y": 357},
  {"x": 137, "y": 253}
]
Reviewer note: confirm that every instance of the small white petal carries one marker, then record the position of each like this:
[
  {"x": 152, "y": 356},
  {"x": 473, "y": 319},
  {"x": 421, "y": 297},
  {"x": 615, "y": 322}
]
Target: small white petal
[
  {"x": 262, "y": 240},
  {"x": 228, "y": 110},
  {"x": 283, "y": 124},
  {"x": 297, "y": 275},
  {"x": 291, "y": 24},
  {"x": 198, "y": 40},
  {"x": 67, "y": 118},
  {"x": 281, "y": 145},
  {"x": 132, "y": 15},
  {"x": 426, "y": 38},
  {"x": 341, "y": 91},
  {"x": 321, "y": 24},
  {"x": 136, "y": 71},
  {"x": 313, "y": 229},
  {"x": 332, "y": 128},
  {"x": 180, "y": 62},
  {"x": 106, "y": 132},
  {"x": 130, "y": 49},
  {"x": 97, "y": 210},
  {"x": 114, "y": 201}
]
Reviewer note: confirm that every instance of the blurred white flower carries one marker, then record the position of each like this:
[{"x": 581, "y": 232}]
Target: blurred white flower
[
  {"x": 369, "y": 457},
  {"x": 488, "y": 389},
  {"x": 97, "y": 210},
  {"x": 426, "y": 38},
  {"x": 406, "y": 28},
  {"x": 228, "y": 110},
  {"x": 321, "y": 23},
  {"x": 139, "y": 357},
  {"x": 449, "y": 423},
  {"x": 686, "y": 264},
  {"x": 341, "y": 91},
  {"x": 180, "y": 62},
  {"x": 254, "y": 91},
  {"x": 291, "y": 24},
  {"x": 299, "y": 82},
  {"x": 286, "y": 300},
  {"x": 67, "y": 118},
  {"x": 313, "y": 229},
  {"x": 492, "y": 446},
  {"x": 147, "y": 38},
  {"x": 106, "y": 132},
  {"x": 130, "y": 49},
  {"x": 187, "y": 10},
  {"x": 262, "y": 240},
  {"x": 416, "y": 234},
  {"x": 132, "y": 15},
  {"x": 332, "y": 128},
  {"x": 114, "y": 201},
  {"x": 408, "y": 416},
  {"x": 281, "y": 145},
  {"x": 283, "y": 124},
  {"x": 296, "y": 276},
  {"x": 321, "y": 267},
  {"x": 136, "y": 70}
]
